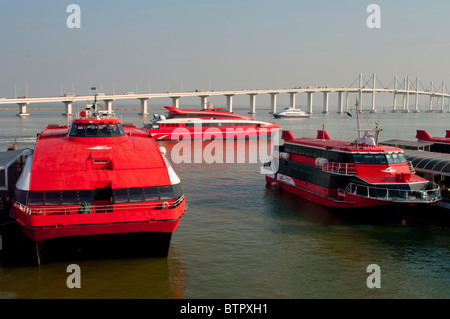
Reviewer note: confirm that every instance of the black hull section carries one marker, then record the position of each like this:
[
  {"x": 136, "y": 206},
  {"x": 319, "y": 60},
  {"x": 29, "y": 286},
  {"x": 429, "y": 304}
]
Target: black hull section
[
  {"x": 128, "y": 245},
  {"x": 312, "y": 174},
  {"x": 19, "y": 250}
]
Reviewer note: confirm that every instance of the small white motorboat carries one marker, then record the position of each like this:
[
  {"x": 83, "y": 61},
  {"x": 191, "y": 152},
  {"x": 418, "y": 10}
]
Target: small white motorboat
[{"x": 291, "y": 112}]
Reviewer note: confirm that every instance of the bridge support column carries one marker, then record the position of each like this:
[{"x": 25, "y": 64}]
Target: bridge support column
[
  {"x": 340, "y": 102},
  {"x": 273, "y": 102},
  {"x": 23, "y": 110},
  {"x": 143, "y": 106},
  {"x": 175, "y": 100},
  {"x": 252, "y": 109},
  {"x": 406, "y": 96},
  {"x": 230, "y": 102},
  {"x": 373, "y": 110},
  {"x": 325, "y": 102},
  {"x": 204, "y": 101},
  {"x": 430, "y": 108},
  {"x": 416, "y": 108},
  {"x": 108, "y": 104},
  {"x": 394, "y": 105},
  {"x": 292, "y": 99},
  {"x": 346, "y": 101},
  {"x": 68, "y": 108},
  {"x": 442, "y": 98},
  {"x": 360, "y": 92},
  {"x": 310, "y": 102}
]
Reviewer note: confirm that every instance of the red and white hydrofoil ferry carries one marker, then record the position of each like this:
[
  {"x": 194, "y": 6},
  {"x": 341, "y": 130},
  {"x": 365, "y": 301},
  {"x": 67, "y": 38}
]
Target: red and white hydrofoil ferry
[
  {"x": 345, "y": 174},
  {"x": 99, "y": 178},
  {"x": 206, "y": 124}
]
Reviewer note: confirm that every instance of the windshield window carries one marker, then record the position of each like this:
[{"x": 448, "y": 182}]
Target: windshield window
[
  {"x": 96, "y": 130},
  {"x": 401, "y": 157},
  {"x": 380, "y": 159}
]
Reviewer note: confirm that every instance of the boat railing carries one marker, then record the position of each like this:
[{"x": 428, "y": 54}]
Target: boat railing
[
  {"x": 431, "y": 194},
  {"x": 339, "y": 168},
  {"x": 411, "y": 167},
  {"x": 81, "y": 209}
]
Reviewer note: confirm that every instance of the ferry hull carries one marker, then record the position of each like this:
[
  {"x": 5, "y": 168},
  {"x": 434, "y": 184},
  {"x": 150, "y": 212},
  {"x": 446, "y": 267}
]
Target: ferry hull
[
  {"x": 280, "y": 116},
  {"x": 349, "y": 201},
  {"x": 40, "y": 228}
]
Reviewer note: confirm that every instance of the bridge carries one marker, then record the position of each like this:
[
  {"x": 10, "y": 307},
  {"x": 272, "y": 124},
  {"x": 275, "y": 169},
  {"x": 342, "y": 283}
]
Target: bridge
[{"x": 405, "y": 89}]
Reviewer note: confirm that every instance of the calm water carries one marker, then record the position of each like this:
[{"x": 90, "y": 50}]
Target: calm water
[{"x": 239, "y": 239}]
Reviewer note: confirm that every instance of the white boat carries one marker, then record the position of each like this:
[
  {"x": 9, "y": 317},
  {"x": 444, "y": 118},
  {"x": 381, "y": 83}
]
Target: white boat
[{"x": 291, "y": 112}]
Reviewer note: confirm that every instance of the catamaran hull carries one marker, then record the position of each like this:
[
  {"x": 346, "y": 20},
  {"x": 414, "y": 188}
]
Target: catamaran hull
[{"x": 311, "y": 192}]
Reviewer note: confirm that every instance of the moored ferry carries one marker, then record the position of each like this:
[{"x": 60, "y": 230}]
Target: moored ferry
[
  {"x": 440, "y": 144},
  {"x": 344, "y": 174},
  {"x": 98, "y": 178},
  {"x": 206, "y": 124}
]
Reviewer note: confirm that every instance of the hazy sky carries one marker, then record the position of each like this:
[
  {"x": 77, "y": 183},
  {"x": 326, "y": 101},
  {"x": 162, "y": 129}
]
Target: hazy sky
[{"x": 210, "y": 44}]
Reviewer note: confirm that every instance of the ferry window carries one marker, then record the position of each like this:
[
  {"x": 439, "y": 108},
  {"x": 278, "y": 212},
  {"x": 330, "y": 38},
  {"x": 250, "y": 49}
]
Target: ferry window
[
  {"x": 402, "y": 158},
  {"x": 85, "y": 196},
  {"x": 177, "y": 191},
  {"x": 166, "y": 192},
  {"x": 94, "y": 130},
  {"x": 358, "y": 159},
  {"x": 136, "y": 195},
  {"x": 2, "y": 178},
  {"x": 53, "y": 198},
  {"x": 389, "y": 159},
  {"x": 380, "y": 159},
  {"x": 151, "y": 194},
  {"x": 91, "y": 130},
  {"x": 116, "y": 130},
  {"x": 395, "y": 158},
  {"x": 120, "y": 196},
  {"x": 77, "y": 130},
  {"x": 369, "y": 159},
  {"x": 36, "y": 198},
  {"x": 21, "y": 196},
  {"x": 104, "y": 130},
  {"x": 70, "y": 198}
]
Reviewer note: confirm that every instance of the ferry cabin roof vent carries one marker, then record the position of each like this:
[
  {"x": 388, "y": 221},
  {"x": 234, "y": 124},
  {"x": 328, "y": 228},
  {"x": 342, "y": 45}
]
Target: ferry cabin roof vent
[
  {"x": 287, "y": 135},
  {"x": 323, "y": 135}
]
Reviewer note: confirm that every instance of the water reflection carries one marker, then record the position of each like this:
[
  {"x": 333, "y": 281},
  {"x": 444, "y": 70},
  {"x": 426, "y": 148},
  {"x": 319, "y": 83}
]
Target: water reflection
[{"x": 102, "y": 279}]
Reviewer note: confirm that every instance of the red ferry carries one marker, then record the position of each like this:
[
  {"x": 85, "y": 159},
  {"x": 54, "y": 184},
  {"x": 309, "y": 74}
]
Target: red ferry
[
  {"x": 206, "y": 124},
  {"x": 440, "y": 144},
  {"x": 347, "y": 174},
  {"x": 98, "y": 177}
]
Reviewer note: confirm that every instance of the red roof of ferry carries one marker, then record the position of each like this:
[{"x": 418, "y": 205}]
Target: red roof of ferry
[
  {"x": 207, "y": 112},
  {"x": 63, "y": 162},
  {"x": 323, "y": 140},
  {"x": 342, "y": 145}
]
